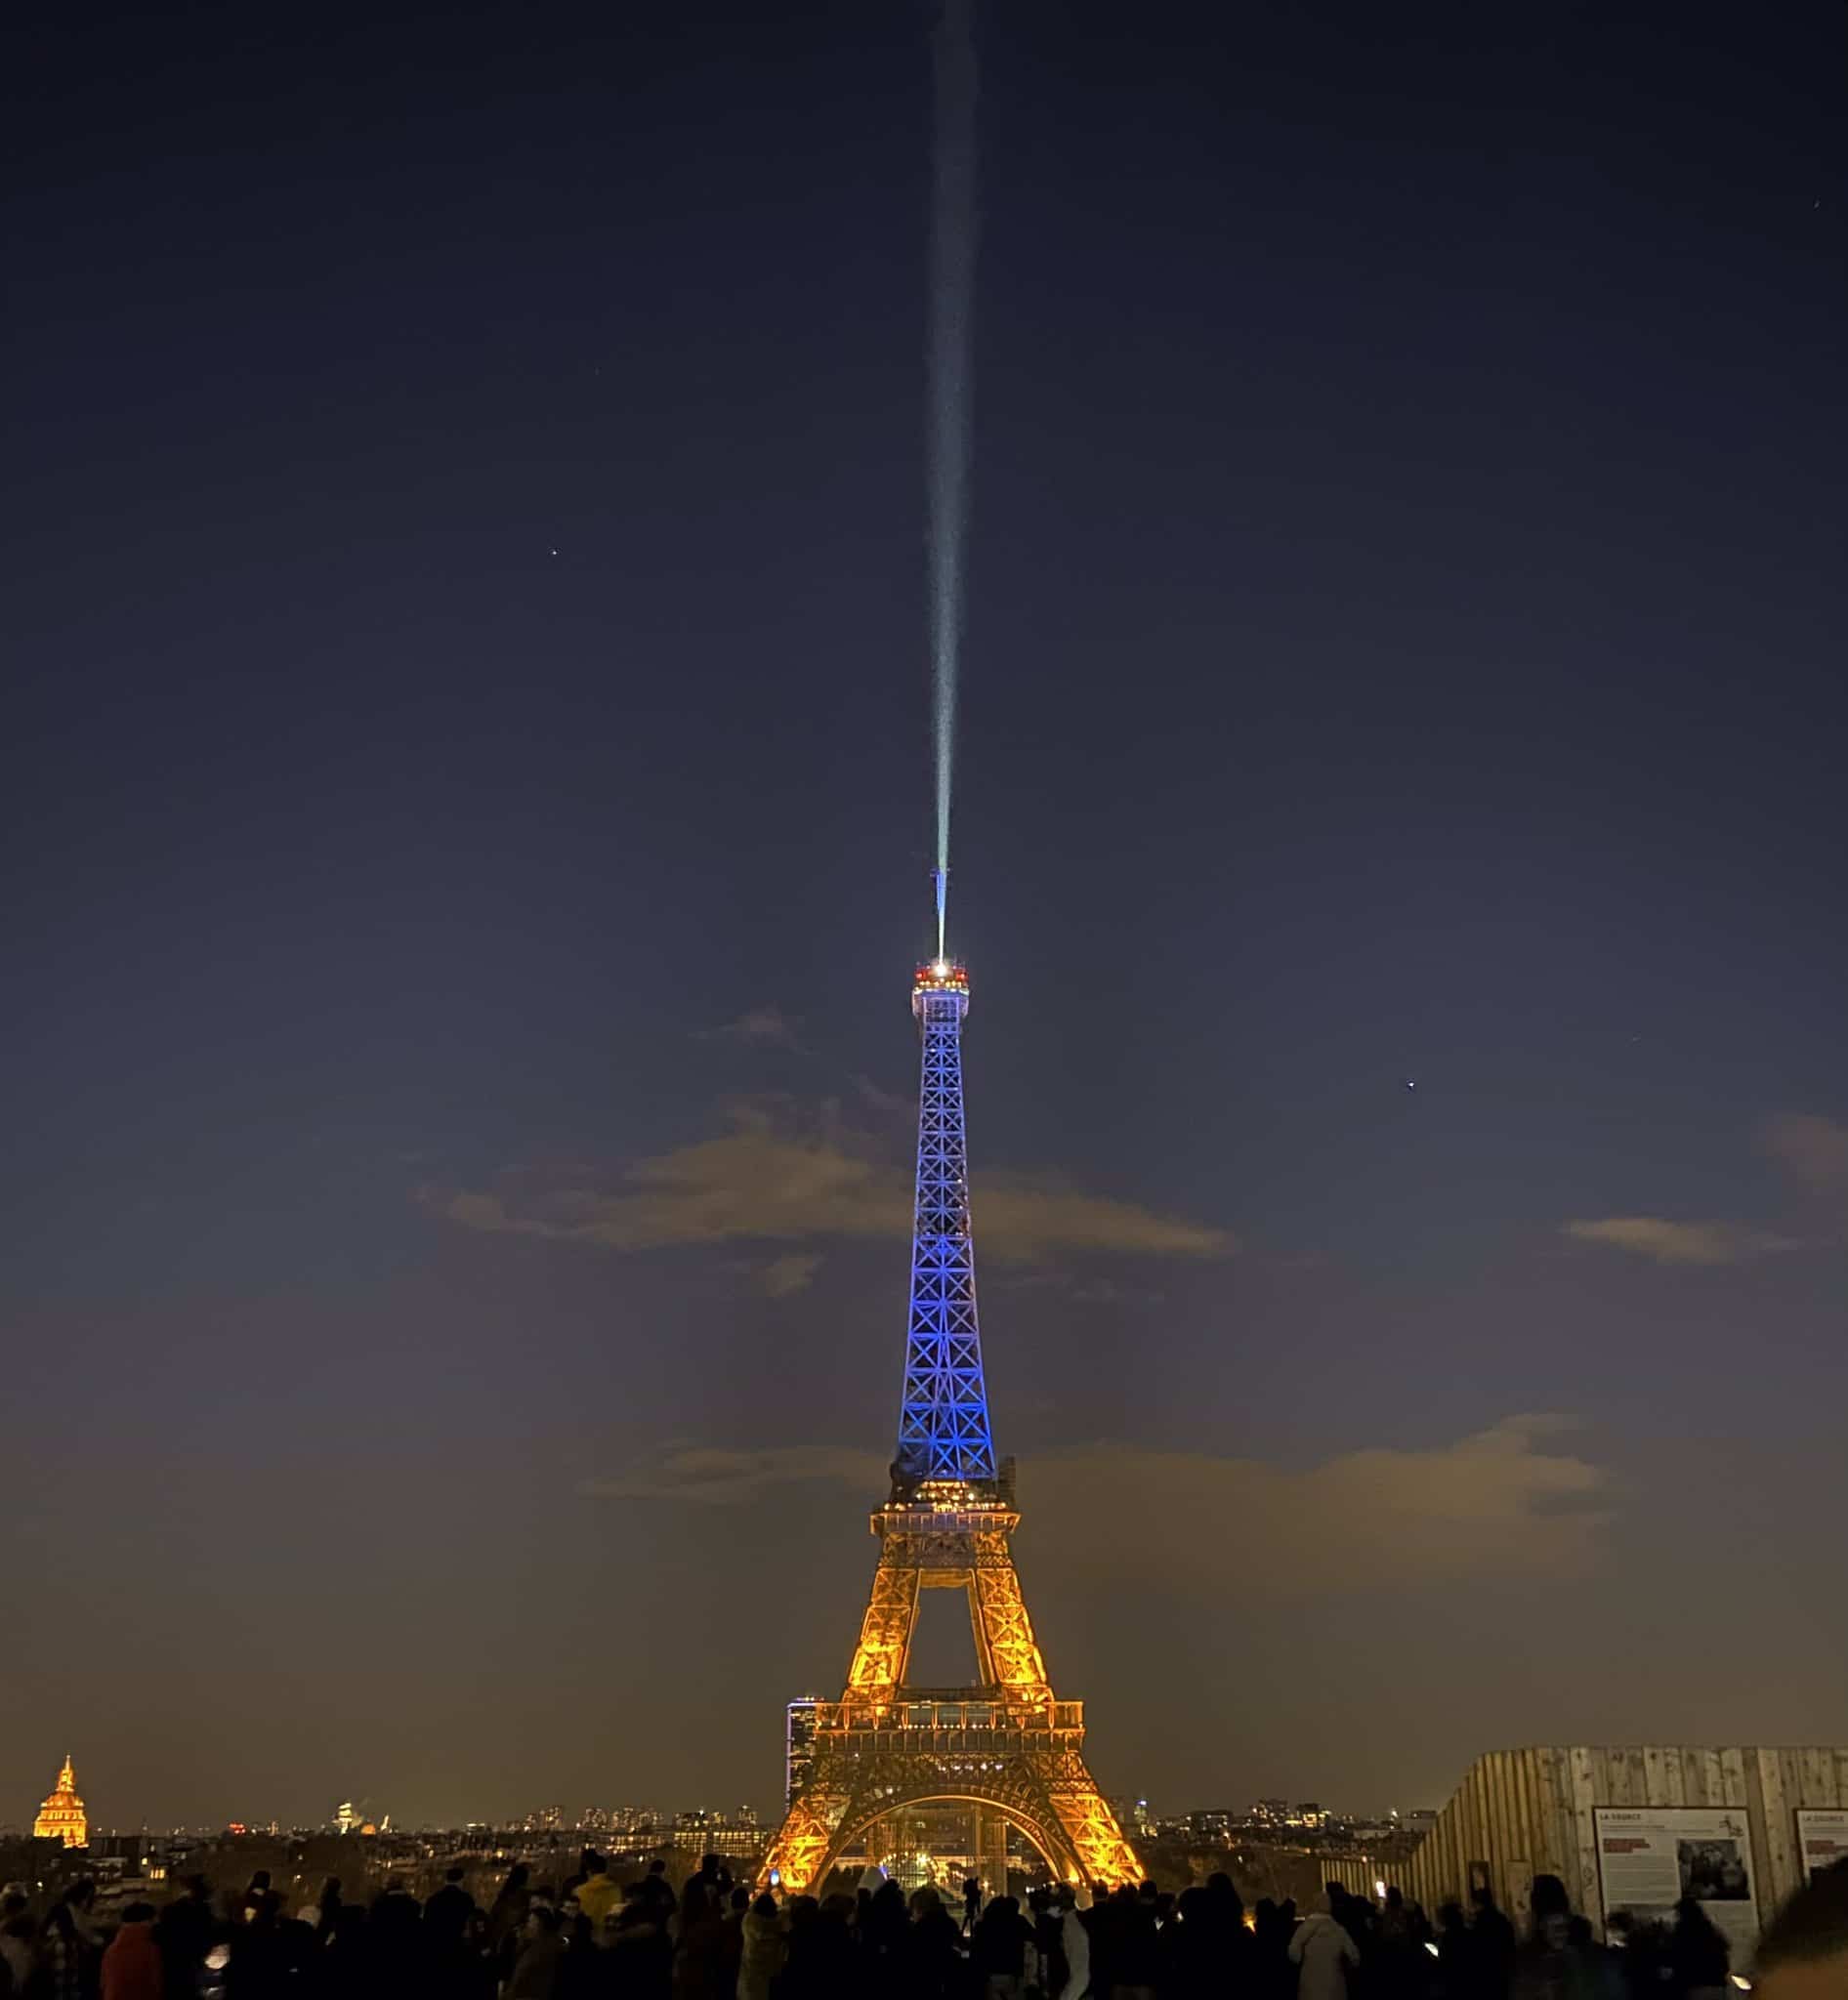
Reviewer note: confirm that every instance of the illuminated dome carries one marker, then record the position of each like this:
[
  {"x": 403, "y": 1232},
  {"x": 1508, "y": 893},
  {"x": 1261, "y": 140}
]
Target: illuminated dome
[{"x": 62, "y": 1816}]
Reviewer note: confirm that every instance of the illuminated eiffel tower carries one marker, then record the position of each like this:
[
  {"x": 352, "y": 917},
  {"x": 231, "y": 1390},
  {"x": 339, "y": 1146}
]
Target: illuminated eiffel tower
[{"x": 1006, "y": 1747}]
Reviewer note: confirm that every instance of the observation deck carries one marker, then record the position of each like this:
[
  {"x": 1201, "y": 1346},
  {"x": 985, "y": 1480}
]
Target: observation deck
[
  {"x": 941, "y": 986},
  {"x": 921, "y": 1722}
]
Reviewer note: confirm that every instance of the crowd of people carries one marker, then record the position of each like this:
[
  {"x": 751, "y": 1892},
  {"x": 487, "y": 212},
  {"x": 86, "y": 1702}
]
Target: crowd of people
[{"x": 593, "y": 1938}]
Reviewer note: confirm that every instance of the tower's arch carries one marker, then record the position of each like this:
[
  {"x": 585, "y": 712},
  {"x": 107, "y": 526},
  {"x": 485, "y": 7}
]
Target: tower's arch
[{"x": 1052, "y": 1847}]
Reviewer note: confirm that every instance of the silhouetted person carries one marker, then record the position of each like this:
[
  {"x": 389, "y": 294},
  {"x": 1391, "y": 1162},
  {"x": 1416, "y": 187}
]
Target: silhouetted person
[
  {"x": 823, "y": 1958},
  {"x": 1803, "y": 1955},
  {"x": 1324, "y": 1950},
  {"x": 658, "y": 1892},
  {"x": 699, "y": 1947},
  {"x": 1604, "y": 1973},
  {"x": 184, "y": 1931},
  {"x": 394, "y": 1940},
  {"x": 265, "y": 1958},
  {"x": 763, "y": 1949},
  {"x": 1001, "y": 1949},
  {"x": 1273, "y": 1975},
  {"x": 18, "y": 1934},
  {"x": 341, "y": 1962},
  {"x": 931, "y": 1966},
  {"x": 971, "y": 1904},
  {"x": 131, "y": 1966},
  {"x": 64, "y": 1967},
  {"x": 1546, "y": 1966},
  {"x": 254, "y": 1895},
  {"x": 1134, "y": 1947},
  {"x": 1193, "y": 1966},
  {"x": 1072, "y": 1946},
  {"x": 1400, "y": 1955},
  {"x": 478, "y": 1969},
  {"x": 1236, "y": 1946},
  {"x": 1698, "y": 1956},
  {"x": 737, "y": 1908},
  {"x": 446, "y": 1914},
  {"x": 1453, "y": 1962},
  {"x": 1491, "y": 1947},
  {"x": 541, "y": 1956},
  {"x": 599, "y": 1894},
  {"x": 640, "y": 1954}
]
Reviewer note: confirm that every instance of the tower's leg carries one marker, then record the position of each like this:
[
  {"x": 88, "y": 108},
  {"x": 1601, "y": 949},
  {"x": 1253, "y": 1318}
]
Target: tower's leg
[
  {"x": 1004, "y": 1633},
  {"x": 885, "y": 1632},
  {"x": 808, "y": 1842},
  {"x": 1105, "y": 1857}
]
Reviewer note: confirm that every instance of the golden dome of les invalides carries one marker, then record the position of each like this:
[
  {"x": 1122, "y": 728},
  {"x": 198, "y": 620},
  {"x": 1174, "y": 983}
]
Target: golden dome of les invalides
[{"x": 62, "y": 1816}]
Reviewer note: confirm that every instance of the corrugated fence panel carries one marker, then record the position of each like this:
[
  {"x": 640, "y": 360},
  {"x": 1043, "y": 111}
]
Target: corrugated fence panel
[
  {"x": 1584, "y": 1796},
  {"x": 1617, "y": 1780},
  {"x": 1496, "y": 1805},
  {"x": 1703, "y": 1778},
  {"x": 1535, "y": 1806},
  {"x": 1770, "y": 1813}
]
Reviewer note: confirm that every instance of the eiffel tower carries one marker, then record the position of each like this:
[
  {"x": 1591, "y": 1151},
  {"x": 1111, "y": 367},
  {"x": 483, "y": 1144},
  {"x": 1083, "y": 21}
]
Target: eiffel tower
[{"x": 1007, "y": 1747}]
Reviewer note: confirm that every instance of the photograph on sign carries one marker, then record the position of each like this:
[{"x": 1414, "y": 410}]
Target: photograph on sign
[
  {"x": 1651, "y": 1857},
  {"x": 1821, "y": 1838}
]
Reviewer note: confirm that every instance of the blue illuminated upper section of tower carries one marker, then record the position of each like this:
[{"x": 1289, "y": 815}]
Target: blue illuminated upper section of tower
[{"x": 944, "y": 1431}]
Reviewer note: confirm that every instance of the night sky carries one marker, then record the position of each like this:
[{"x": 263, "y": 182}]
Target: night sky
[{"x": 468, "y": 803}]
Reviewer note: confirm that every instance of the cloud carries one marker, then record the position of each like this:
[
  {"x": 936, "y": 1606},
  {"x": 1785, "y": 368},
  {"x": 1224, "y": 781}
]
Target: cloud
[
  {"x": 1501, "y": 1503},
  {"x": 1672, "y": 1242},
  {"x": 762, "y": 1027},
  {"x": 1022, "y": 1216},
  {"x": 1815, "y": 1149},
  {"x": 888, "y": 1104},
  {"x": 714, "y": 1477},
  {"x": 794, "y": 1271},
  {"x": 775, "y": 1177},
  {"x": 1082, "y": 1290}
]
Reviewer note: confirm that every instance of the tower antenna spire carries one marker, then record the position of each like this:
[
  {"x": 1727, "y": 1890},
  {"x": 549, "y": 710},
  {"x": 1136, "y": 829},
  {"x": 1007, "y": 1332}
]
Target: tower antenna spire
[{"x": 940, "y": 876}]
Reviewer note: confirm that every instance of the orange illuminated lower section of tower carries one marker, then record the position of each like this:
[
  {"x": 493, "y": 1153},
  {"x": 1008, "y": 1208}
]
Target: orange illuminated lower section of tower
[{"x": 1008, "y": 1744}]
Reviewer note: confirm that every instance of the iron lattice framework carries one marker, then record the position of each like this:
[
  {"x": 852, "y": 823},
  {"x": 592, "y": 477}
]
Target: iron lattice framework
[
  {"x": 944, "y": 1415},
  {"x": 1007, "y": 1745}
]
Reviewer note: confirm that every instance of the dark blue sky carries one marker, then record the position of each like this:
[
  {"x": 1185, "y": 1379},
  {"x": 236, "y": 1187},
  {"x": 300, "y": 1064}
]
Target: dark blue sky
[{"x": 468, "y": 799}]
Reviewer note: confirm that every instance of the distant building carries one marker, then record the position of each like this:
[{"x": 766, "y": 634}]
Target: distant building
[
  {"x": 62, "y": 1817},
  {"x": 738, "y": 1838},
  {"x": 798, "y": 1746},
  {"x": 347, "y": 1819}
]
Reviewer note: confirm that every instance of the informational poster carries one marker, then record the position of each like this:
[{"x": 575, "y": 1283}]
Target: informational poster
[
  {"x": 1823, "y": 1838},
  {"x": 1649, "y": 1856}
]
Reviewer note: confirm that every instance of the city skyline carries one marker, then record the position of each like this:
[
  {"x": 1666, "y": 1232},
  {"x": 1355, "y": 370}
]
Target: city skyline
[{"x": 471, "y": 798}]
